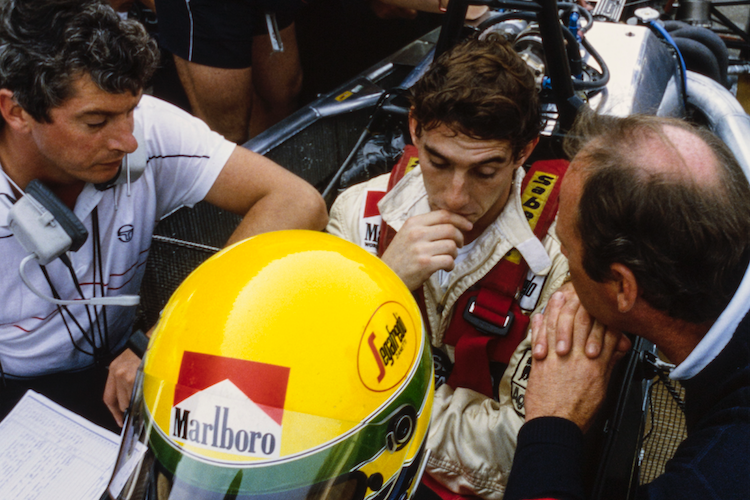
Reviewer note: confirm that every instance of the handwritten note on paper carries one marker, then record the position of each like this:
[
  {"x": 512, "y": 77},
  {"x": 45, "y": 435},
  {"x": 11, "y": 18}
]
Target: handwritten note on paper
[{"x": 49, "y": 452}]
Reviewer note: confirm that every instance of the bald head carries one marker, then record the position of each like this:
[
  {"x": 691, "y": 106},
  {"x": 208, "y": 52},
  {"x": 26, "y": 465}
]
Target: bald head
[
  {"x": 678, "y": 153},
  {"x": 670, "y": 202},
  {"x": 662, "y": 147}
]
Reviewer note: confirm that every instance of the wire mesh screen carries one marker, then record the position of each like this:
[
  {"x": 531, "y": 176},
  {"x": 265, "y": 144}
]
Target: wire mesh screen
[
  {"x": 181, "y": 243},
  {"x": 665, "y": 427},
  {"x": 316, "y": 152}
]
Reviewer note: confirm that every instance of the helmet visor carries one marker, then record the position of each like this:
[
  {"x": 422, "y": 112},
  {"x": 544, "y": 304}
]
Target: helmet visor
[{"x": 141, "y": 472}]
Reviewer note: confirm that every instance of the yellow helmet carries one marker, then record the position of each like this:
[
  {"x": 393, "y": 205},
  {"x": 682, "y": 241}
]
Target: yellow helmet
[{"x": 293, "y": 365}]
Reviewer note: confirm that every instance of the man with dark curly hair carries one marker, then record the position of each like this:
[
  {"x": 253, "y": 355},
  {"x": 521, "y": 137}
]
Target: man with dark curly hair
[
  {"x": 73, "y": 118},
  {"x": 459, "y": 230}
]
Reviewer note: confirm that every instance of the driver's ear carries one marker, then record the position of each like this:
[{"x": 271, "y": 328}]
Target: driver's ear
[
  {"x": 526, "y": 151},
  {"x": 13, "y": 114}
]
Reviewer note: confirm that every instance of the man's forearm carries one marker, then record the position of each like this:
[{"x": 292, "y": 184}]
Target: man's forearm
[
  {"x": 268, "y": 196},
  {"x": 281, "y": 211}
]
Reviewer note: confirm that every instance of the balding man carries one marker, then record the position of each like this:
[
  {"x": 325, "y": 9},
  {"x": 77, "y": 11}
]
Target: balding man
[{"x": 655, "y": 221}]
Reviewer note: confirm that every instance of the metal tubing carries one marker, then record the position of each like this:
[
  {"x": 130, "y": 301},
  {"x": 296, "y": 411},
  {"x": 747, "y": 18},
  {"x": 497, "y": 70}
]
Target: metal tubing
[
  {"x": 729, "y": 121},
  {"x": 725, "y": 114}
]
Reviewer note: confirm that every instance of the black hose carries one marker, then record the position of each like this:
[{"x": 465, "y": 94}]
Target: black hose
[
  {"x": 582, "y": 11},
  {"x": 718, "y": 52},
  {"x": 574, "y": 53},
  {"x": 572, "y": 49},
  {"x": 603, "y": 79}
]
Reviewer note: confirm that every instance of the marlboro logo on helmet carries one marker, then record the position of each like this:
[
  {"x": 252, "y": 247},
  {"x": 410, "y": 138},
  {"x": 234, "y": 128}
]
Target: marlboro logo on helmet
[{"x": 230, "y": 405}]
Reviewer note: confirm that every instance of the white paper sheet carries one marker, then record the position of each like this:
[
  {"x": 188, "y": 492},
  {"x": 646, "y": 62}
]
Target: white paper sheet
[{"x": 49, "y": 452}]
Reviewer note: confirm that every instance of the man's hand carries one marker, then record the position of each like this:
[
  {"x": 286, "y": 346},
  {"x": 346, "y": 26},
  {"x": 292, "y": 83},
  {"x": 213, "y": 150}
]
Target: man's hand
[
  {"x": 425, "y": 244},
  {"x": 120, "y": 380},
  {"x": 563, "y": 318},
  {"x": 572, "y": 386}
]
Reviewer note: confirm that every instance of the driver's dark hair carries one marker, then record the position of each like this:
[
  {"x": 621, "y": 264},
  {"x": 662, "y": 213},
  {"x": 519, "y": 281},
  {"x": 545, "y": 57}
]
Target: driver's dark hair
[
  {"x": 483, "y": 89},
  {"x": 46, "y": 45},
  {"x": 687, "y": 243}
]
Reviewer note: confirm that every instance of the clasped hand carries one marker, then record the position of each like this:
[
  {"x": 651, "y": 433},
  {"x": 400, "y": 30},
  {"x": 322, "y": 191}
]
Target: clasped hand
[{"x": 571, "y": 381}]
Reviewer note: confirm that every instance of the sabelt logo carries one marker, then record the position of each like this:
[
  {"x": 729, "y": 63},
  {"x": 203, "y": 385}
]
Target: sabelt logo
[
  {"x": 536, "y": 194},
  {"x": 387, "y": 348},
  {"x": 231, "y": 406},
  {"x": 533, "y": 200}
]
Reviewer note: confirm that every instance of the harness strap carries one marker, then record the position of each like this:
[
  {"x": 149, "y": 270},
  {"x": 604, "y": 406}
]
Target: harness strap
[{"x": 487, "y": 324}]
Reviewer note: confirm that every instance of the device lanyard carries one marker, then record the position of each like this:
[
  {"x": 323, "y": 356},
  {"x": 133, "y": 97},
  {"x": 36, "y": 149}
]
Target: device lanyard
[{"x": 97, "y": 336}]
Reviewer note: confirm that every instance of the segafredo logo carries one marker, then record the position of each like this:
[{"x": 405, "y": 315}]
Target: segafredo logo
[
  {"x": 388, "y": 347},
  {"x": 229, "y": 405}
]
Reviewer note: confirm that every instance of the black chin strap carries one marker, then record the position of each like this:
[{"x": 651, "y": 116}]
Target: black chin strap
[{"x": 103, "y": 186}]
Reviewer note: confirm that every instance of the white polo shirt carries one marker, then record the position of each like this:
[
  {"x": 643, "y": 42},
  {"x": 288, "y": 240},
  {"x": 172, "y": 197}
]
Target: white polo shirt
[{"x": 184, "y": 160}]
